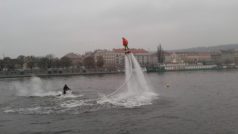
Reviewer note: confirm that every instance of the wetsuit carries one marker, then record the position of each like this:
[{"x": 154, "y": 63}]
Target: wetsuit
[{"x": 65, "y": 89}]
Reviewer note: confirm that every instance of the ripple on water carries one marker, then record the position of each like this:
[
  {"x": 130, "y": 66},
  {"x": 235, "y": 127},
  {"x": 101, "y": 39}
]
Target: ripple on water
[{"x": 61, "y": 105}]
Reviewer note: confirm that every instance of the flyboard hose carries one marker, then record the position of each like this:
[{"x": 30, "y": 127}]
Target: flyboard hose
[{"x": 126, "y": 81}]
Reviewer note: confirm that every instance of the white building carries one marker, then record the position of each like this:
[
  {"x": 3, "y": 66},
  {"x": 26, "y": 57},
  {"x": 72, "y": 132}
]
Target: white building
[{"x": 110, "y": 58}]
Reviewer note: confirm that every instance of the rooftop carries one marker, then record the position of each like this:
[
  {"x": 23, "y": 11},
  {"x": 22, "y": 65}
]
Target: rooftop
[{"x": 133, "y": 50}]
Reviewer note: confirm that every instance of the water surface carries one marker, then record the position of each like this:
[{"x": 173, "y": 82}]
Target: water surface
[{"x": 189, "y": 102}]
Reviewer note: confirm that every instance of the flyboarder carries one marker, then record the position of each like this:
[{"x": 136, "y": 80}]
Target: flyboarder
[{"x": 125, "y": 44}]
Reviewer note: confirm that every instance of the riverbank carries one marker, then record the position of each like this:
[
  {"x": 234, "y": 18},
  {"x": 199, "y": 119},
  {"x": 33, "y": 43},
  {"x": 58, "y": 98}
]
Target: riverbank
[
  {"x": 56, "y": 75},
  {"x": 99, "y": 73},
  {"x": 184, "y": 67},
  {"x": 75, "y": 72}
]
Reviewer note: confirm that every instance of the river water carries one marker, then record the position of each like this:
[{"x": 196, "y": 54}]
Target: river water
[{"x": 204, "y": 102}]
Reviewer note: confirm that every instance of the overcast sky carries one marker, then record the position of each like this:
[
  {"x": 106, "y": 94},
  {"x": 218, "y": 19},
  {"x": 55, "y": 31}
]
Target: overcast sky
[{"x": 40, "y": 27}]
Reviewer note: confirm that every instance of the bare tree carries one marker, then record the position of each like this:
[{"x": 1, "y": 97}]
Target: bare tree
[
  {"x": 65, "y": 62},
  {"x": 89, "y": 62},
  {"x": 100, "y": 61}
]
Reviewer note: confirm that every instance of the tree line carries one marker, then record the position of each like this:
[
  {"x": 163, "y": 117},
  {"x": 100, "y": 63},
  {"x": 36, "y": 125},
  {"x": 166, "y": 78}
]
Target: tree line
[
  {"x": 30, "y": 62},
  {"x": 48, "y": 61}
]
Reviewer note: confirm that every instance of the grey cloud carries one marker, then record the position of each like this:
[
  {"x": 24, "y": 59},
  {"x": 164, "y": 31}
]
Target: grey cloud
[{"x": 61, "y": 26}]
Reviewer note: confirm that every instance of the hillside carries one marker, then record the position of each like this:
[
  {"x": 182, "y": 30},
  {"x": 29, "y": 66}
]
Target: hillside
[{"x": 209, "y": 49}]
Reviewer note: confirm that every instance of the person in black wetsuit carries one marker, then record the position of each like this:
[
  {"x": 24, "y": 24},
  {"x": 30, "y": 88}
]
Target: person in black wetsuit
[{"x": 65, "y": 89}]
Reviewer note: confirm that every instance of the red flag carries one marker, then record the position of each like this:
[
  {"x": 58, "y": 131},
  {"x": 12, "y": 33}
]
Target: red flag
[{"x": 124, "y": 41}]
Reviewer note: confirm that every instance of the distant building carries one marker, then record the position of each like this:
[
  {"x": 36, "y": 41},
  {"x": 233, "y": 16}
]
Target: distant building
[
  {"x": 75, "y": 58},
  {"x": 132, "y": 50},
  {"x": 172, "y": 58},
  {"x": 144, "y": 57},
  {"x": 194, "y": 57},
  {"x": 115, "y": 59},
  {"x": 167, "y": 57},
  {"x": 225, "y": 57},
  {"x": 236, "y": 57},
  {"x": 153, "y": 59},
  {"x": 111, "y": 58}
]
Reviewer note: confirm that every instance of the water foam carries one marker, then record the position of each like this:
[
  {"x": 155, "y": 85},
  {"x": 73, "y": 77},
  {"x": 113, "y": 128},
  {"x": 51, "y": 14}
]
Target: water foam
[
  {"x": 75, "y": 103},
  {"x": 135, "y": 91},
  {"x": 34, "y": 87}
]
